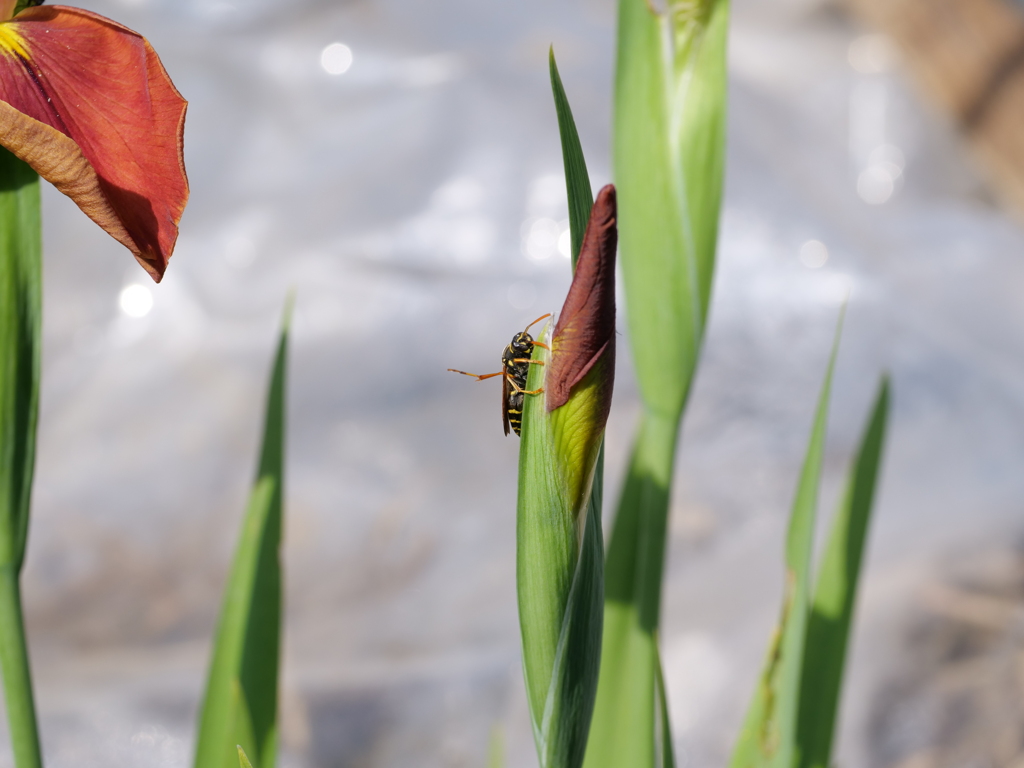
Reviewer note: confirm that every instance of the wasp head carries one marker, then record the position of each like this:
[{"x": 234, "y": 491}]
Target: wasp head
[{"x": 522, "y": 344}]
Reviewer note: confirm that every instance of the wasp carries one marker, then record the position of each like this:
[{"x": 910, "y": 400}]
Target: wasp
[{"x": 515, "y": 367}]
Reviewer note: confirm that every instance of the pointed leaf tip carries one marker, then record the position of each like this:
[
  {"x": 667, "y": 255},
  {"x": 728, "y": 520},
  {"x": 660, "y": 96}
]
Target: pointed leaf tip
[
  {"x": 585, "y": 330},
  {"x": 243, "y": 759}
]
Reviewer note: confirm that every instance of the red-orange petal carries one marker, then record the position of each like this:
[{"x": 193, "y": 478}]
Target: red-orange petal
[
  {"x": 103, "y": 86},
  {"x": 585, "y": 330}
]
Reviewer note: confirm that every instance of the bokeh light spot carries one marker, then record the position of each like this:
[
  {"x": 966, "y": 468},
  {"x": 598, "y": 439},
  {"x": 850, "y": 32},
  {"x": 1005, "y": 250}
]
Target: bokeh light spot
[
  {"x": 565, "y": 243},
  {"x": 540, "y": 238},
  {"x": 876, "y": 184},
  {"x": 135, "y": 300},
  {"x": 336, "y": 59},
  {"x": 813, "y": 254}
]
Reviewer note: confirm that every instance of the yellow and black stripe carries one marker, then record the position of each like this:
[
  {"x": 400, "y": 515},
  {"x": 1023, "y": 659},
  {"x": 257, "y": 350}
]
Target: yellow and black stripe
[{"x": 515, "y": 367}]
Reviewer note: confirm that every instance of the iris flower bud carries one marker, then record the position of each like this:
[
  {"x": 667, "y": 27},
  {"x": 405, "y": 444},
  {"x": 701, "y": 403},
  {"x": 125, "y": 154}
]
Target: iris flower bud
[{"x": 560, "y": 559}]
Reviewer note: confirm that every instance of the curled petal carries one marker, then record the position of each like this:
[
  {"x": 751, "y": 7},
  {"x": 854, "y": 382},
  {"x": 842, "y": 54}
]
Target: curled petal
[
  {"x": 585, "y": 330},
  {"x": 89, "y": 106},
  {"x": 59, "y": 160}
]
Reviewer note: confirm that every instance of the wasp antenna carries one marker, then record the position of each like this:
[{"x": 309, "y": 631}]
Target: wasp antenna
[{"x": 536, "y": 321}]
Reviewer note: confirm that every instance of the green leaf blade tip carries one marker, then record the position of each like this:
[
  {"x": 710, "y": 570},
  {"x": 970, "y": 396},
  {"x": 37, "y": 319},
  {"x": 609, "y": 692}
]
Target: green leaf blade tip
[
  {"x": 240, "y": 706},
  {"x": 577, "y": 180},
  {"x": 791, "y": 718},
  {"x": 832, "y": 608}
]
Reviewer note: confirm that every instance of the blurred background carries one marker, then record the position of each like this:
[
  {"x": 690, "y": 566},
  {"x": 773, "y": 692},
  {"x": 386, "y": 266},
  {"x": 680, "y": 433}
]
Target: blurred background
[{"x": 397, "y": 163}]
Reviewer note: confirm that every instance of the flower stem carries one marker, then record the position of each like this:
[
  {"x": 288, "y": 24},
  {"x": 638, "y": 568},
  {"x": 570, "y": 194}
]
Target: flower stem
[
  {"x": 636, "y": 555},
  {"x": 20, "y": 334},
  {"x": 21, "y": 711},
  {"x": 630, "y": 666}
]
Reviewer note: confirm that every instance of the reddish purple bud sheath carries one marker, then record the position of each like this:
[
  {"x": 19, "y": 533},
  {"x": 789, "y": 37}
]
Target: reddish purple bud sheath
[{"x": 585, "y": 331}]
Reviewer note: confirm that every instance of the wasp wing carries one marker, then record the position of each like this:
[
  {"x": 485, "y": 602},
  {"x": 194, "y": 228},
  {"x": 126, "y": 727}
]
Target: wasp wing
[{"x": 506, "y": 394}]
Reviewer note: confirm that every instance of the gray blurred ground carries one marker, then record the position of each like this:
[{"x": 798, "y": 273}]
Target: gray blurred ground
[{"x": 415, "y": 204}]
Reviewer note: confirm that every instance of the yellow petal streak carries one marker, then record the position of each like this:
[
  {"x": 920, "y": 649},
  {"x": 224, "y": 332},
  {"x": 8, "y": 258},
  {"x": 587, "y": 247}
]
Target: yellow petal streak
[{"x": 12, "y": 43}]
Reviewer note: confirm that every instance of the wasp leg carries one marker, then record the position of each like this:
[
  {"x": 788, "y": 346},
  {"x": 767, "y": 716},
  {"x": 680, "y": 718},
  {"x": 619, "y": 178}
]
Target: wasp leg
[
  {"x": 531, "y": 362},
  {"x": 522, "y": 391},
  {"x": 477, "y": 376},
  {"x": 542, "y": 344}
]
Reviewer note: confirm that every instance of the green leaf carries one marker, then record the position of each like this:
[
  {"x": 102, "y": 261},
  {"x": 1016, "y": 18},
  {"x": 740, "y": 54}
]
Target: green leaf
[
  {"x": 20, "y": 341},
  {"x": 669, "y": 149},
  {"x": 243, "y": 759},
  {"x": 240, "y": 709},
  {"x": 559, "y": 567},
  {"x": 828, "y": 629},
  {"x": 23, "y": 4},
  {"x": 768, "y": 737},
  {"x": 577, "y": 180}
]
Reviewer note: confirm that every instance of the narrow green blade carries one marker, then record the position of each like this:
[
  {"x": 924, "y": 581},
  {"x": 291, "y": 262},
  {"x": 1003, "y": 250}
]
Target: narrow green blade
[
  {"x": 243, "y": 759},
  {"x": 669, "y": 149},
  {"x": 828, "y": 629},
  {"x": 581, "y": 201},
  {"x": 577, "y": 180},
  {"x": 240, "y": 709},
  {"x": 20, "y": 342},
  {"x": 768, "y": 737}
]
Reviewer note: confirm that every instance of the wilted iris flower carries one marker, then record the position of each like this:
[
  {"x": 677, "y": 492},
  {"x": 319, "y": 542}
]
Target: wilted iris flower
[{"x": 87, "y": 104}]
